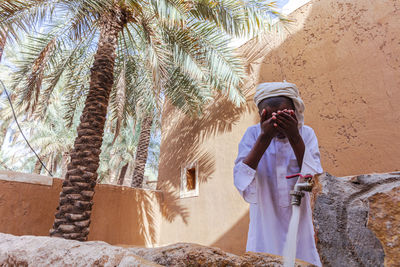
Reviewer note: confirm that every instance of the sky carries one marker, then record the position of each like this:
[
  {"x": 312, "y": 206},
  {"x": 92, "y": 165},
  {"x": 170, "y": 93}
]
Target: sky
[
  {"x": 288, "y": 6},
  {"x": 285, "y": 7}
]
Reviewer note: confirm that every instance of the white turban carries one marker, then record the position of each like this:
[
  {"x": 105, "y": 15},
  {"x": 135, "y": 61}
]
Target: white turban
[{"x": 267, "y": 90}]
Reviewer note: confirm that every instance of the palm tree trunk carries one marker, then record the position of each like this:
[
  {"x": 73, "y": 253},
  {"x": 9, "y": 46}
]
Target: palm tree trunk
[
  {"x": 3, "y": 39},
  {"x": 54, "y": 165},
  {"x": 122, "y": 174},
  {"x": 3, "y": 133},
  {"x": 72, "y": 218},
  {"x": 64, "y": 163},
  {"x": 142, "y": 151},
  {"x": 49, "y": 163},
  {"x": 38, "y": 167}
]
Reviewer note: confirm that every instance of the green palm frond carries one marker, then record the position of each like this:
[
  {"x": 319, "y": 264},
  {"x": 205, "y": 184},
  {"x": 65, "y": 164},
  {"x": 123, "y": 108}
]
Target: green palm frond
[
  {"x": 76, "y": 85},
  {"x": 206, "y": 56},
  {"x": 46, "y": 57},
  {"x": 168, "y": 49},
  {"x": 16, "y": 15},
  {"x": 157, "y": 57},
  {"x": 66, "y": 65},
  {"x": 186, "y": 52},
  {"x": 224, "y": 65},
  {"x": 192, "y": 40},
  {"x": 186, "y": 93},
  {"x": 172, "y": 11},
  {"x": 23, "y": 15},
  {"x": 237, "y": 18},
  {"x": 82, "y": 17},
  {"x": 33, "y": 83}
]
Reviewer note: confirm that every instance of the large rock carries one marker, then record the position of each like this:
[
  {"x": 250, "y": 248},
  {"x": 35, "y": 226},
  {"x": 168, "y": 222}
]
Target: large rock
[
  {"x": 357, "y": 219},
  {"x": 186, "y": 254},
  {"x": 52, "y": 251}
]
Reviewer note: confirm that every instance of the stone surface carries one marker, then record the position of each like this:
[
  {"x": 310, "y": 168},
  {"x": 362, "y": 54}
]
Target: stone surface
[
  {"x": 384, "y": 221},
  {"x": 356, "y": 219},
  {"x": 187, "y": 254},
  {"x": 52, "y": 251}
]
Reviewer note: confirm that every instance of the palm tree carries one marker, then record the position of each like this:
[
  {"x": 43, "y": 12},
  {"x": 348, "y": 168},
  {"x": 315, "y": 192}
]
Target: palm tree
[
  {"x": 48, "y": 136},
  {"x": 141, "y": 152},
  {"x": 184, "y": 49},
  {"x": 119, "y": 153},
  {"x": 51, "y": 138},
  {"x": 215, "y": 44},
  {"x": 53, "y": 141},
  {"x": 16, "y": 16}
]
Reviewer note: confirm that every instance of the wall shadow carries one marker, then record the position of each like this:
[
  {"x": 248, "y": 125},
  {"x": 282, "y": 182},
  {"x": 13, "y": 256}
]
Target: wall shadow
[
  {"x": 234, "y": 240},
  {"x": 148, "y": 225},
  {"x": 182, "y": 143}
]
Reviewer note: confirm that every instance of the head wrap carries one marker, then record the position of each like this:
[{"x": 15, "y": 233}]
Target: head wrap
[{"x": 272, "y": 89}]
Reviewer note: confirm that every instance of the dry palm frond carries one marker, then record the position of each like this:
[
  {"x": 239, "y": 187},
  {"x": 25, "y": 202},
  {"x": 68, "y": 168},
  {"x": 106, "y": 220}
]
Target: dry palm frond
[
  {"x": 120, "y": 99},
  {"x": 17, "y": 15},
  {"x": 34, "y": 81},
  {"x": 158, "y": 58}
]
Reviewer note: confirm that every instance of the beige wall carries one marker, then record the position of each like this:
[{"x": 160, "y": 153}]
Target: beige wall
[
  {"x": 120, "y": 215},
  {"x": 345, "y": 58},
  {"x": 212, "y": 141},
  {"x": 346, "y": 62}
]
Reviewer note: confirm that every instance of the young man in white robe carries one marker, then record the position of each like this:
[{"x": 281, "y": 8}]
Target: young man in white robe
[{"x": 278, "y": 146}]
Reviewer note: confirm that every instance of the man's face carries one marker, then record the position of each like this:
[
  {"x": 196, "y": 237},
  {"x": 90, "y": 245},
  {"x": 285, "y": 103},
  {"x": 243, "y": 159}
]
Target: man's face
[{"x": 274, "y": 109}]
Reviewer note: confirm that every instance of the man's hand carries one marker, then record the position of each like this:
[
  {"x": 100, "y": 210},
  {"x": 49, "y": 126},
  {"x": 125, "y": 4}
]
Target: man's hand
[
  {"x": 267, "y": 125},
  {"x": 268, "y": 131},
  {"x": 286, "y": 123}
]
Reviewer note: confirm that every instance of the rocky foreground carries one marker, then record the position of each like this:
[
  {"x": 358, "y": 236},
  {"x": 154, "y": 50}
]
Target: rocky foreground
[
  {"x": 52, "y": 251},
  {"x": 357, "y": 219}
]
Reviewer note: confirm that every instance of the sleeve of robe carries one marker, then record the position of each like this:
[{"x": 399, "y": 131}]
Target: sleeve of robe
[
  {"x": 244, "y": 176},
  {"x": 311, "y": 159}
]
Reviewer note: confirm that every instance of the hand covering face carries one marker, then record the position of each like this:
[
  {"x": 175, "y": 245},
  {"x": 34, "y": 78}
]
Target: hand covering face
[{"x": 272, "y": 89}]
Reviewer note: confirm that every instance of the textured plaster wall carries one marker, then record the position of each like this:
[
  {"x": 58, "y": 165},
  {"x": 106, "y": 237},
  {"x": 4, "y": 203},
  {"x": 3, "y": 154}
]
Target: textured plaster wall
[
  {"x": 345, "y": 58},
  {"x": 346, "y": 62},
  {"x": 120, "y": 215},
  {"x": 212, "y": 141}
]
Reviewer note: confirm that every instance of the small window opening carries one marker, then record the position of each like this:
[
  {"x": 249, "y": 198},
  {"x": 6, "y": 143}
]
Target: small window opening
[{"x": 189, "y": 181}]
